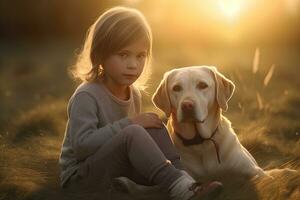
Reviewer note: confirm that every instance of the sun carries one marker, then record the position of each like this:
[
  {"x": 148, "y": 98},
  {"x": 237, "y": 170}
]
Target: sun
[{"x": 231, "y": 8}]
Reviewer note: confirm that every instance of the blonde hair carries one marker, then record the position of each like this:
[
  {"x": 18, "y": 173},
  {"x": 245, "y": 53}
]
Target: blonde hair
[{"x": 113, "y": 30}]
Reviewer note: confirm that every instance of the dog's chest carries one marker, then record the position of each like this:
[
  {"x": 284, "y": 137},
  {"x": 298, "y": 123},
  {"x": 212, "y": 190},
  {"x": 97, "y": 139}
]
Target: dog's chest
[{"x": 199, "y": 159}]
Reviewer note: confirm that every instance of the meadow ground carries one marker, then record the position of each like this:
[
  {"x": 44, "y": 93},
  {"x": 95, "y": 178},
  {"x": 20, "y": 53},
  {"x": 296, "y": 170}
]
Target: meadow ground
[{"x": 35, "y": 87}]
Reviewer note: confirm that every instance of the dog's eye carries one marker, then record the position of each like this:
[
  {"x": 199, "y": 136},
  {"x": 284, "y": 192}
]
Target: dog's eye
[
  {"x": 176, "y": 88},
  {"x": 202, "y": 85}
]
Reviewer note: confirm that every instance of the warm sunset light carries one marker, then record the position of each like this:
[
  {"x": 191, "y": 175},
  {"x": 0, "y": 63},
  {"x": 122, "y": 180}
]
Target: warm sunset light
[
  {"x": 231, "y": 8},
  {"x": 149, "y": 99}
]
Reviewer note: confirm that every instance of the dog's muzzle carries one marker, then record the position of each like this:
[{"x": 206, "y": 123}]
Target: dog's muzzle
[{"x": 188, "y": 111}]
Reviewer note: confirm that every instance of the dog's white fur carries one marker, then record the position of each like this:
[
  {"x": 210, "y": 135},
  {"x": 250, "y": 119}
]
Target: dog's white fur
[{"x": 208, "y": 91}]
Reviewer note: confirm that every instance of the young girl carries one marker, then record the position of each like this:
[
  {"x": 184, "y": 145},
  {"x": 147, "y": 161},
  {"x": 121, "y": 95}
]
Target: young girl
[{"x": 106, "y": 135}]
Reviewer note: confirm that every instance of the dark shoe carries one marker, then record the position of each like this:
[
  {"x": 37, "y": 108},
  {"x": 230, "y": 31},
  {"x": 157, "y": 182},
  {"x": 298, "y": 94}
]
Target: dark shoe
[{"x": 206, "y": 191}]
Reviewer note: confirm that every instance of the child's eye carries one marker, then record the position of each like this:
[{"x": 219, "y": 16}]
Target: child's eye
[
  {"x": 123, "y": 54},
  {"x": 142, "y": 56}
]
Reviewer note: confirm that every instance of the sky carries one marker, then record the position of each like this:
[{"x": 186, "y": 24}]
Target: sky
[{"x": 210, "y": 22}]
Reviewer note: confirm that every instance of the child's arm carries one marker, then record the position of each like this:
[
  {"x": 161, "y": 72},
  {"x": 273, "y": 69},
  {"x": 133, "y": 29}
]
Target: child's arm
[{"x": 85, "y": 136}]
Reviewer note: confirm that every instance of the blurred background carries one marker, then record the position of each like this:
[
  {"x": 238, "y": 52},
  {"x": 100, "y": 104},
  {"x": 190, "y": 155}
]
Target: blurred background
[
  {"x": 254, "y": 43},
  {"x": 40, "y": 39}
]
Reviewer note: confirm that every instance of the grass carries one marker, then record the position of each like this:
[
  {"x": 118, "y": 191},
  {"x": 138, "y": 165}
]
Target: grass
[{"x": 35, "y": 89}]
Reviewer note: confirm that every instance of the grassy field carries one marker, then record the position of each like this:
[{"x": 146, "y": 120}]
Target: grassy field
[{"x": 35, "y": 87}]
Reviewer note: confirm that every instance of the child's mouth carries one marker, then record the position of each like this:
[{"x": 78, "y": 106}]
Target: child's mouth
[{"x": 129, "y": 75}]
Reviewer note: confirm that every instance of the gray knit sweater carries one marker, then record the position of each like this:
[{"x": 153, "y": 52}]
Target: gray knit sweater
[{"x": 95, "y": 115}]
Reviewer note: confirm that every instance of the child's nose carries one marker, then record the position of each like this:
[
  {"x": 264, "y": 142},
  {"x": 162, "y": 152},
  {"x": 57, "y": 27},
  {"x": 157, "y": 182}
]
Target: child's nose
[{"x": 132, "y": 64}]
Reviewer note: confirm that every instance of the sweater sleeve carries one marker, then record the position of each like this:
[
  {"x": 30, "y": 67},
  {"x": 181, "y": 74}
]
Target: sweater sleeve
[{"x": 86, "y": 137}]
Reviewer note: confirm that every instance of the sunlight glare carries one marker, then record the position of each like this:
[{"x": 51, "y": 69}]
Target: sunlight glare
[
  {"x": 231, "y": 8},
  {"x": 293, "y": 6}
]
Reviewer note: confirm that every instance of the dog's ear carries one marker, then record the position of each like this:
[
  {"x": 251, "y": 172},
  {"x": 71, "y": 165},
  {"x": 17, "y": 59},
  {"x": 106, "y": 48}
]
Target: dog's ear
[
  {"x": 161, "y": 97},
  {"x": 224, "y": 88}
]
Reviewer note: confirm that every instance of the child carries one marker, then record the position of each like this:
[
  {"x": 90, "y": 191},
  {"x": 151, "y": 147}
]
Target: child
[{"x": 106, "y": 135}]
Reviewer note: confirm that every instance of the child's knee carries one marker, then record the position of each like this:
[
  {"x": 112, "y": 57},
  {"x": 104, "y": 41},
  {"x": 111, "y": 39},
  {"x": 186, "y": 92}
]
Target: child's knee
[
  {"x": 134, "y": 130},
  {"x": 158, "y": 131},
  {"x": 133, "y": 127}
]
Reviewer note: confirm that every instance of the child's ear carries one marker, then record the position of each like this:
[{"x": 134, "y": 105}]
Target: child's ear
[
  {"x": 161, "y": 98},
  {"x": 224, "y": 88}
]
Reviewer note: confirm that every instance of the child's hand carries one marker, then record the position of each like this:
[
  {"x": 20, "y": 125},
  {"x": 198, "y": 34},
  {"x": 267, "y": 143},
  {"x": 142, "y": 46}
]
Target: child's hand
[{"x": 148, "y": 120}]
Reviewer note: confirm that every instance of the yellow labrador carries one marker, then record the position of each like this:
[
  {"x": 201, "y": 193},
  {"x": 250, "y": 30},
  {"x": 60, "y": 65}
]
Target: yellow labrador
[{"x": 194, "y": 97}]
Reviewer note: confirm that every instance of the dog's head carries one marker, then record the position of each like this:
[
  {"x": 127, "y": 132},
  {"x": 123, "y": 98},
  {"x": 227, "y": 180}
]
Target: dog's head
[{"x": 191, "y": 92}]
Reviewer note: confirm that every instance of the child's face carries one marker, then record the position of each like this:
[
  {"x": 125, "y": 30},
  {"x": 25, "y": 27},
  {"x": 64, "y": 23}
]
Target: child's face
[{"x": 125, "y": 66}]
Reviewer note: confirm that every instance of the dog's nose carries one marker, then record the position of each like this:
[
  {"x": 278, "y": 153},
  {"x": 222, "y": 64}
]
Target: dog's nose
[{"x": 187, "y": 105}]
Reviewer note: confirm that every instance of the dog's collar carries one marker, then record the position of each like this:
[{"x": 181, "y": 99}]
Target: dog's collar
[{"x": 198, "y": 139}]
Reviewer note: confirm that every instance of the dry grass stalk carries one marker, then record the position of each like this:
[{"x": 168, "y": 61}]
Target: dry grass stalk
[
  {"x": 256, "y": 60},
  {"x": 269, "y": 75},
  {"x": 259, "y": 101}
]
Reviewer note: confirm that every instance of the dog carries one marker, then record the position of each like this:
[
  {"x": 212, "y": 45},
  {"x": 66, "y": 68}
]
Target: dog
[{"x": 193, "y": 99}]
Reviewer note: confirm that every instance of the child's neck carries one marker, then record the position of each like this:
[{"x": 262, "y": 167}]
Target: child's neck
[{"x": 120, "y": 91}]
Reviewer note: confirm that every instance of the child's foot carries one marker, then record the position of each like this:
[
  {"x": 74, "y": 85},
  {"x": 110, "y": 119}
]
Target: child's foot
[
  {"x": 186, "y": 188},
  {"x": 206, "y": 191}
]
